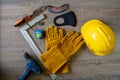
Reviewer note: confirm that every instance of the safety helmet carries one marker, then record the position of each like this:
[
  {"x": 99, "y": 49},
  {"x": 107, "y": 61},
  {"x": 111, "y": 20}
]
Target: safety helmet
[{"x": 99, "y": 37}]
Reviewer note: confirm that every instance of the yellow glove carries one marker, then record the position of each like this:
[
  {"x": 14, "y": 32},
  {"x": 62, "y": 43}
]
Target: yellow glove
[
  {"x": 53, "y": 35},
  {"x": 58, "y": 55}
]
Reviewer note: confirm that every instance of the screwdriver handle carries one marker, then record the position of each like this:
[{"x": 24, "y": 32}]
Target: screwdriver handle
[{"x": 22, "y": 20}]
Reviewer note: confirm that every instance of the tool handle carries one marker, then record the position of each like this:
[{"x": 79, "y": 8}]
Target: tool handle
[
  {"x": 22, "y": 20},
  {"x": 24, "y": 75}
]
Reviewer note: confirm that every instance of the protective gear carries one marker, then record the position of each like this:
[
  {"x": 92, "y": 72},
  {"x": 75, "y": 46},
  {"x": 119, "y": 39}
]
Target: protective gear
[
  {"x": 60, "y": 9},
  {"x": 99, "y": 37},
  {"x": 53, "y": 35},
  {"x": 69, "y": 19},
  {"x": 58, "y": 55}
]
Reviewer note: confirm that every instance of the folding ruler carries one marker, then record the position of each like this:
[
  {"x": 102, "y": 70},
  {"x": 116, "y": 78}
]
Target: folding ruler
[{"x": 31, "y": 42}]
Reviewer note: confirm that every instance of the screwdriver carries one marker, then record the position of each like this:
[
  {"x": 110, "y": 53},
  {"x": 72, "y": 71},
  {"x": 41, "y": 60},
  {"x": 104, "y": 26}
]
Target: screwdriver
[{"x": 22, "y": 20}]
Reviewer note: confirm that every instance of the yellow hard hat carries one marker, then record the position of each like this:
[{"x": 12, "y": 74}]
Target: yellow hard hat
[{"x": 98, "y": 37}]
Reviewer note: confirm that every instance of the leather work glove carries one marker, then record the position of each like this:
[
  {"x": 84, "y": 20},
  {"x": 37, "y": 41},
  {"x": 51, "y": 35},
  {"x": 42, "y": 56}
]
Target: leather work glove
[
  {"x": 59, "y": 54},
  {"x": 53, "y": 35}
]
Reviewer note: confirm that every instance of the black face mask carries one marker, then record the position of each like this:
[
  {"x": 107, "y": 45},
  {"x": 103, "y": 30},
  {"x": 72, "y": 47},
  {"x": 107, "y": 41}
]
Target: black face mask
[{"x": 69, "y": 19}]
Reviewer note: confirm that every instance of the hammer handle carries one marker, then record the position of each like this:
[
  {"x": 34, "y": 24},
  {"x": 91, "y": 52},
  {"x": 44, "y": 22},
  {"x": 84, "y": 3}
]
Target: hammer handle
[{"x": 24, "y": 75}]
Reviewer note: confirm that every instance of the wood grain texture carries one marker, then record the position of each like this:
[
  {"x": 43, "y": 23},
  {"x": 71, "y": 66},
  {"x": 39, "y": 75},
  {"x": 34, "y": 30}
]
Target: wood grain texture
[{"x": 83, "y": 65}]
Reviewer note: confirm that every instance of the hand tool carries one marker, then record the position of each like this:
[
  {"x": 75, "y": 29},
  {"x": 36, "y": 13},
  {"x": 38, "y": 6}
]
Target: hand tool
[
  {"x": 31, "y": 42},
  {"x": 31, "y": 65},
  {"x": 38, "y": 34},
  {"x": 28, "y": 38},
  {"x": 38, "y": 11},
  {"x": 22, "y": 20},
  {"x": 29, "y": 17}
]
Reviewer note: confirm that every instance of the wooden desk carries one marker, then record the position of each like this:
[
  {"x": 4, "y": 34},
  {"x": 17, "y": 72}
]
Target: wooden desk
[{"x": 83, "y": 65}]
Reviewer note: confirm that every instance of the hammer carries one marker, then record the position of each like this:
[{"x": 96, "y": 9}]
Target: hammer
[{"x": 31, "y": 65}]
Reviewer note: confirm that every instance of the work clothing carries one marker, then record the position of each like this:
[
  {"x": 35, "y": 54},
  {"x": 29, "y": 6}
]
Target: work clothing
[
  {"x": 59, "y": 54},
  {"x": 99, "y": 37},
  {"x": 53, "y": 35}
]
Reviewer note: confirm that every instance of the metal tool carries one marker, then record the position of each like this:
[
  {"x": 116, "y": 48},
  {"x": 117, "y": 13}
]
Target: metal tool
[
  {"x": 31, "y": 42},
  {"x": 31, "y": 65},
  {"x": 29, "y": 17}
]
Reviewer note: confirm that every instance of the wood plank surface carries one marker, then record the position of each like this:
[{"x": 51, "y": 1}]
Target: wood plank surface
[{"x": 83, "y": 65}]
